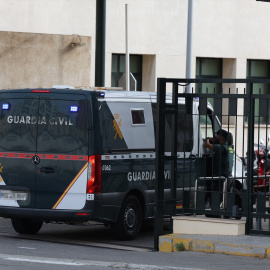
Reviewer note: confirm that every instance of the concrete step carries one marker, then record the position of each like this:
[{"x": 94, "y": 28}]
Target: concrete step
[{"x": 203, "y": 225}]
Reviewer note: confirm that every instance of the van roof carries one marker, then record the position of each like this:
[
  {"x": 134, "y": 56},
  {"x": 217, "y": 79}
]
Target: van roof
[
  {"x": 111, "y": 93},
  {"x": 132, "y": 95}
]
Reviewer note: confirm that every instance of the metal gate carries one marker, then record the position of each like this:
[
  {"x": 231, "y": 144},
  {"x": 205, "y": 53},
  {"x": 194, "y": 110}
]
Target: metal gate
[{"x": 242, "y": 108}]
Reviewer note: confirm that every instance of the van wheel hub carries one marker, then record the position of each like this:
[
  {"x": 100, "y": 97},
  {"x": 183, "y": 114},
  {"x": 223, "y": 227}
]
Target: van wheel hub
[{"x": 130, "y": 217}]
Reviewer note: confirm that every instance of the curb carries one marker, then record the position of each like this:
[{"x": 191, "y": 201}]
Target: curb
[{"x": 171, "y": 242}]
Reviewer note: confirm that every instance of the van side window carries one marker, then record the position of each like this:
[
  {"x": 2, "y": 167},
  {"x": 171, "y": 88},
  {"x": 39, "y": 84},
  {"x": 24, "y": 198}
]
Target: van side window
[
  {"x": 137, "y": 117},
  {"x": 184, "y": 130}
]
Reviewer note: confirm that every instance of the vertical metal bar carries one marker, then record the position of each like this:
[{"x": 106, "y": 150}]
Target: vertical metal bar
[
  {"x": 100, "y": 42},
  {"x": 174, "y": 154},
  {"x": 224, "y": 197},
  {"x": 160, "y": 149},
  {"x": 195, "y": 197},
  {"x": 250, "y": 159}
]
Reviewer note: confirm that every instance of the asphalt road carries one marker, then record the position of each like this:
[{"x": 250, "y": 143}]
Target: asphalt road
[
  {"x": 93, "y": 234},
  {"x": 76, "y": 247}
]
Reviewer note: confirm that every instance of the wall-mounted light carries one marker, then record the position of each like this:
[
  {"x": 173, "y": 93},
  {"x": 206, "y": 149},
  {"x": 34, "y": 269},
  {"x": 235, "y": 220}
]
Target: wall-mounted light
[{"x": 77, "y": 41}]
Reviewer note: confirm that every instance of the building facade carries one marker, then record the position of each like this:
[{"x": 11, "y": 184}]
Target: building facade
[{"x": 230, "y": 39}]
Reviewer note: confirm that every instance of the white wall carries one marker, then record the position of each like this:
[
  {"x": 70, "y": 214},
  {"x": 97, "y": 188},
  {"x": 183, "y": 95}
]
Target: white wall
[{"x": 234, "y": 29}]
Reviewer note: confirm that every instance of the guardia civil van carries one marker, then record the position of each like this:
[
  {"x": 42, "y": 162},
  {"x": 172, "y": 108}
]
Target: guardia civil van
[{"x": 78, "y": 155}]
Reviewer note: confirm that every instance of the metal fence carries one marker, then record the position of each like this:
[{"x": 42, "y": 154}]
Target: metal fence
[{"x": 240, "y": 106}]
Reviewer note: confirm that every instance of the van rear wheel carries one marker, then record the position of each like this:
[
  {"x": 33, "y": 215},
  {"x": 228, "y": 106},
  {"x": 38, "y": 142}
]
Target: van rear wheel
[
  {"x": 26, "y": 226},
  {"x": 128, "y": 224}
]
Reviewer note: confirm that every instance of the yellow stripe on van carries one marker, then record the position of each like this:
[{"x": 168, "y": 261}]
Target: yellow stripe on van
[{"x": 70, "y": 185}]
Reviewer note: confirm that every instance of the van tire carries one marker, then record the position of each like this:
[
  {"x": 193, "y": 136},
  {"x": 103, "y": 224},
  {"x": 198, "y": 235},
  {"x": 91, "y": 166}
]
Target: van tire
[
  {"x": 129, "y": 222},
  {"x": 26, "y": 226}
]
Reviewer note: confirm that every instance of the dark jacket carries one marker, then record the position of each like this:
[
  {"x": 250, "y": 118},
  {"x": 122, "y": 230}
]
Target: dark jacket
[{"x": 223, "y": 159}]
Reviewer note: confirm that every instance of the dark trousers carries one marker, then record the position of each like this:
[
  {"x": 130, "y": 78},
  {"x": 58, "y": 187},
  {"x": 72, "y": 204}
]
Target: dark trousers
[{"x": 214, "y": 186}]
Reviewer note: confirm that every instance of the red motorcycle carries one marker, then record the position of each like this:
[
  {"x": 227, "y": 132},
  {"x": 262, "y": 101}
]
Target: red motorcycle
[{"x": 263, "y": 169}]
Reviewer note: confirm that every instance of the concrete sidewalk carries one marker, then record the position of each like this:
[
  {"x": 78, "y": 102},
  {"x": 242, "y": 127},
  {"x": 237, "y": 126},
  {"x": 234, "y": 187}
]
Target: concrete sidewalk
[
  {"x": 242, "y": 245},
  {"x": 214, "y": 235}
]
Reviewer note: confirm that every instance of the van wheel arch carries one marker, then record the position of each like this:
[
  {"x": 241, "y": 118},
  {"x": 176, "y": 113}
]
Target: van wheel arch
[
  {"x": 129, "y": 221},
  {"x": 138, "y": 194}
]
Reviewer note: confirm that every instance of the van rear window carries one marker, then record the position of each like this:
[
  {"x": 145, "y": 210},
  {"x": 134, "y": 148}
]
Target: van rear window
[
  {"x": 42, "y": 125},
  {"x": 18, "y": 128},
  {"x": 65, "y": 128}
]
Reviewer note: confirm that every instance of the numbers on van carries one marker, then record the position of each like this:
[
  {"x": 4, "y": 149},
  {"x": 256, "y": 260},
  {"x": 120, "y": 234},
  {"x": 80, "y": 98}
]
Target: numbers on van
[{"x": 106, "y": 168}]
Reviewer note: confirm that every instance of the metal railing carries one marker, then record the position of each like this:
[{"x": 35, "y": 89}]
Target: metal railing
[
  {"x": 247, "y": 126},
  {"x": 224, "y": 190}
]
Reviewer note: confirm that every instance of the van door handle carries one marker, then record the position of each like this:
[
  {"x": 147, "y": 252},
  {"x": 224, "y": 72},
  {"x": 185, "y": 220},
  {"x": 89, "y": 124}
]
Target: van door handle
[
  {"x": 47, "y": 170},
  {"x": 192, "y": 157}
]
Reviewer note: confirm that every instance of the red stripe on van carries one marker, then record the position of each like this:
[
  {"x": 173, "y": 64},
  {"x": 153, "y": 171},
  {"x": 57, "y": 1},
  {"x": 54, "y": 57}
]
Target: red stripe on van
[{"x": 43, "y": 156}]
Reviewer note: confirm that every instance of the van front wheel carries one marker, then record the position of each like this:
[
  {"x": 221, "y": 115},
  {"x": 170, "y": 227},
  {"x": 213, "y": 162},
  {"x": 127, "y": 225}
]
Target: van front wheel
[
  {"x": 128, "y": 224},
  {"x": 26, "y": 226}
]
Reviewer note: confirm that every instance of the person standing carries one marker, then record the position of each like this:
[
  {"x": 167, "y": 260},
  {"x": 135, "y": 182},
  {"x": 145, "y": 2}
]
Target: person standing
[
  {"x": 222, "y": 160},
  {"x": 223, "y": 153}
]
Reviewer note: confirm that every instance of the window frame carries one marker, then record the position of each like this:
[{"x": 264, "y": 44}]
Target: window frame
[
  {"x": 199, "y": 86},
  {"x": 135, "y": 124},
  {"x": 115, "y": 76},
  {"x": 266, "y": 90}
]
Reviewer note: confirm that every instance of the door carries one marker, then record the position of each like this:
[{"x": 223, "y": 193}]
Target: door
[
  {"x": 43, "y": 150},
  {"x": 18, "y": 131},
  {"x": 62, "y": 148}
]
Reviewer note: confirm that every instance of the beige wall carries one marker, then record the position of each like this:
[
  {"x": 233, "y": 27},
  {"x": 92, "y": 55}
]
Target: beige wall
[{"x": 42, "y": 60}]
